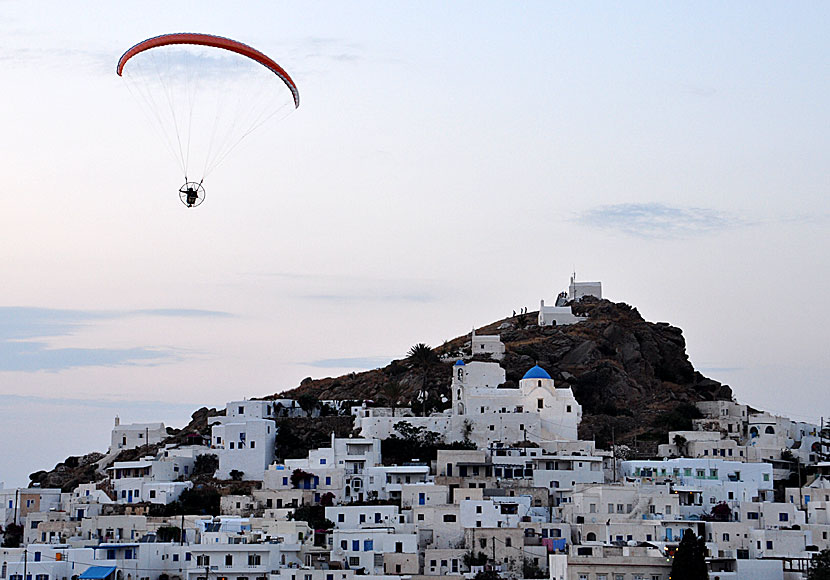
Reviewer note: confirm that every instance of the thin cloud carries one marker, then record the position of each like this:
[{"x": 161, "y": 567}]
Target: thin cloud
[
  {"x": 37, "y": 356},
  {"x": 364, "y": 363},
  {"x": 23, "y": 330},
  {"x": 659, "y": 221},
  {"x": 384, "y": 297},
  {"x": 12, "y": 401}
]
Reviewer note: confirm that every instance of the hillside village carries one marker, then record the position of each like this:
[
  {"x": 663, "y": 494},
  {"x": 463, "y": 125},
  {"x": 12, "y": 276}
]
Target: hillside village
[{"x": 493, "y": 479}]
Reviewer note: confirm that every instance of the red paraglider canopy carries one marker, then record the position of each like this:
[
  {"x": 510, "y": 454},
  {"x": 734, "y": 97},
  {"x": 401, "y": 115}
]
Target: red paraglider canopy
[{"x": 216, "y": 42}]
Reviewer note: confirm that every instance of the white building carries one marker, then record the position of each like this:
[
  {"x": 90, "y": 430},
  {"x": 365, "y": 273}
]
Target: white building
[
  {"x": 561, "y": 313},
  {"x": 243, "y": 440},
  {"x": 136, "y": 435},
  {"x": 536, "y": 411},
  {"x": 487, "y": 345}
]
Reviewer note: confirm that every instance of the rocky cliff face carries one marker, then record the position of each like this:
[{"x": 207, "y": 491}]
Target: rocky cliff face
[{"x": 633, "y": 378}]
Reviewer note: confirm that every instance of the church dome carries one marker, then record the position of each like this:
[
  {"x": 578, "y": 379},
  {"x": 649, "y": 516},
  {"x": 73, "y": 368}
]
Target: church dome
[
  {"x": 536, "y": 372},
  {"x": 459, "y": 363}
]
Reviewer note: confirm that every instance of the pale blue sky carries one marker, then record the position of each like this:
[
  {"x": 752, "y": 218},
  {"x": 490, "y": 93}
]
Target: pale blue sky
[{"x": 449, "y": 163}]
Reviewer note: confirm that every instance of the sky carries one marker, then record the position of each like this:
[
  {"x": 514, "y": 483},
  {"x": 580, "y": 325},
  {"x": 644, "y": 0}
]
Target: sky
[{"x": 450, "y": 162}]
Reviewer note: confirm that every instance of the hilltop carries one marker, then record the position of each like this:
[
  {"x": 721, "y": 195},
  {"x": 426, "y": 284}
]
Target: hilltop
[{"x": 632, "y": 377}]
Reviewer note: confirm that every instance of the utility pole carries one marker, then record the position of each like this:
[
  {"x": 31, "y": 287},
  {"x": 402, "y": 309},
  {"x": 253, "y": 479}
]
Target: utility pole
[
  {"x": 614, "y": 453},
  {"x": 181, "y": 533},
  {"x": 16, "y": 496},
  {"x": 494, "y": 551},
  {"x": 25, "y": 561}
]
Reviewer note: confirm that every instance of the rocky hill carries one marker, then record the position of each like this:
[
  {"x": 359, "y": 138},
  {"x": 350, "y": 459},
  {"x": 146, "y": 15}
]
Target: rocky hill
[{"x": 633, "y": 378}]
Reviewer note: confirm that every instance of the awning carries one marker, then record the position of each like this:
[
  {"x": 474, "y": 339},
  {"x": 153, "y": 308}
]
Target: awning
[{"x": 97, "y": 572}]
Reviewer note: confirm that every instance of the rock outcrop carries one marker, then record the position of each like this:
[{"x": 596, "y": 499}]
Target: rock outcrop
[{"x": 633, "y": 378}]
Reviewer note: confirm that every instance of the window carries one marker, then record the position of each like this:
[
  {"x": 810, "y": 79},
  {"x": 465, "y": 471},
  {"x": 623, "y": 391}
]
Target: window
[
  {"x": 421, "y": 517},
  {"x": 726, "y": 537},
  {"x": 254, "y": 559},
  {"x": 610, "y": 508},
  {"x": 752, "y": 515},
  {"x": 354, "y": 561},
  {"x": 322, "y": 461},
  {"x": 568, "y": 409},
  {"x": 341, "y": 518},
  {"x": 228, "y": 559},
  {"x": 203, "y": 560},
  {"x": 769, "y": 544},
  {"x": 344, "y": 545},
  {"x": 362, "y": 518},
  {"x": 355, "y": 545},
  {"x": 328, "y": 480},
  {"x": 540, "y": 403},
  {"x": 783, "y": 517},
  {"x": 368, "y": 545},
  {"x": 447, "y": 517},
  {"x": 508, "y": 542}
]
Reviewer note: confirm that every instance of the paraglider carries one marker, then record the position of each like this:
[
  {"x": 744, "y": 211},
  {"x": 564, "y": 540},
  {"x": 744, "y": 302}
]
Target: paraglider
[{"x": 205, "y": 94}]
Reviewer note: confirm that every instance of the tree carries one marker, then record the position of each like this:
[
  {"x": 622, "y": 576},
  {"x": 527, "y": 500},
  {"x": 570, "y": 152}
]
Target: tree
[
  {"x": 314, "y": 515},
  {"x": 487, "y": 575},
  {"x": 720, "y": 512},
  {"x": 298, "y": 476},
  {"x": 199, "y": 500},
  {"x": 819, "y": 566},
  {"x": 532, "y": 570},
  {"x": 690, "y": 559},
  {"x": 471, "y": 559},
  {"x": 680, "y": 442},
  {"x": 205, "y": 464},
  {"x": 236, "y": 475},
  {"x": 308, "y": 403},
  {"x": 393, "y": 391},
  {"x": 422, "y": 356},
  {"x": 12, "y": 536},
  {"x": 168, "y": 534}
]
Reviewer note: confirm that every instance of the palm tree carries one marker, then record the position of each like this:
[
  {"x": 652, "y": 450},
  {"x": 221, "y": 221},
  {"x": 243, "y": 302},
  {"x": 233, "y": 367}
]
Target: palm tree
[
  {"x": 422, "y": 356},
  {"x": 393, "y": 390}
]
